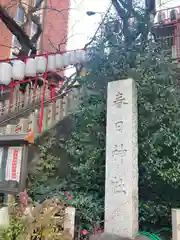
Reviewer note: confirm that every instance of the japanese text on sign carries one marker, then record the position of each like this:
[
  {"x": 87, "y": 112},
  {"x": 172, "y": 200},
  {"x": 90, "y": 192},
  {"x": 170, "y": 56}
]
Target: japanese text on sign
[
  {"x": 13, "y": 164},
  {"x": 120, "y": 100},
  {"x": 119, "y": 151},
  {"x": 118, "y": 185},
  {"x": 119, "y": 126}
]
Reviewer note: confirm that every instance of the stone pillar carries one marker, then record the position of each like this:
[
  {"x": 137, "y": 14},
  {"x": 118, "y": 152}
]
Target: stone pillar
[
  {"x": 176, "y": 224},
  {"x": 6, "y": 106},
  {"x": 121, "y": 190},
  {"x": 14, "y": 106},
  {"x": 51, "y": 114},
  {"x": 69, "y": 222},
  {"x": 22, "y": 126},
  {"x": 59, "y": 109}
]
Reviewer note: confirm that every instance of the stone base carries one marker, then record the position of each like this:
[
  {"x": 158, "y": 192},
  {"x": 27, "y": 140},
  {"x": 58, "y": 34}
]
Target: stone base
[{"x": 108, "y": 236}]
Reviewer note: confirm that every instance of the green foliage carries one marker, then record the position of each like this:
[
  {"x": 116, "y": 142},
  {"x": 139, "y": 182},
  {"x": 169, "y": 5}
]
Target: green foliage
[
  {"x": 158, "y": 108},
  {"x": 16, "y": 226},
  {"x": 43, "y": 221},
  {"x": 158, "y": 111},
  {"x": 114, "y": 57},
  {"x": 45, "y": 169}
]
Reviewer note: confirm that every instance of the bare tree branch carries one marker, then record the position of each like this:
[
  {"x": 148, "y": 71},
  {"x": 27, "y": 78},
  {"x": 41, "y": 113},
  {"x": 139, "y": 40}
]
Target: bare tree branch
[
  {"x": 26, "y": 43},
  {"x": 30, "y": 14},
  {"x": 36, "y": 36},
  {"x": 53, "y": 45},
  {"x": 125, "y": 11},
  {"x": 16, "y": 30},
  {"x": 120, "y": 11}
]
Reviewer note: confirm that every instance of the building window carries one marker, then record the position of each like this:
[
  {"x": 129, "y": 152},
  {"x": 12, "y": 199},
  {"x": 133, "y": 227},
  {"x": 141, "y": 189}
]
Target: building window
[
  {"x": 16, "y": 46},
  {"x": 33, "y": 29},
  {"x": 15, "y": 41},
  {"x": 38, "y": 3},
  {"x": 20, "y": 15}
]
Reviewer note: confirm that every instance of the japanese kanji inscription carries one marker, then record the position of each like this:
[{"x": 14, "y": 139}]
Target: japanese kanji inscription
[
  {"x": 120, "y": 100},
  {"x": 121, "y": 188}
]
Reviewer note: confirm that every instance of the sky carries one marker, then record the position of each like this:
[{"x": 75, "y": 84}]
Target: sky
[{"x": 81, "y": 26}]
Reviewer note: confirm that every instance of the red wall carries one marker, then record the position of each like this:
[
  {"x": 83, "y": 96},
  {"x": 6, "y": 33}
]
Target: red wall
[
  {"x": 5, "y": 34},
  {"x": 5, "y": 42},
  {"x": 55, "y": 25}
]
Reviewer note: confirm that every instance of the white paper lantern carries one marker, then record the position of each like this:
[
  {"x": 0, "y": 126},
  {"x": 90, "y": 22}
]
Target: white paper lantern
[
  {"x": 81, "y": 56},
  {"x": 73, "y": 58},
  {"x": 173, "y": 14},
  {"x": 30, "y": 69},
  {"x": 40, "y": 64},
  {"x": 66, "y": 59},
  {"x": 161, "y": 17},
  {"x": 18, "y": 70},
  {"x": 88, "y": 54},
  {"x": 51, "y": 63},
  {"x": 59, "y": 61},
  {"x": 5, "y": 73}
]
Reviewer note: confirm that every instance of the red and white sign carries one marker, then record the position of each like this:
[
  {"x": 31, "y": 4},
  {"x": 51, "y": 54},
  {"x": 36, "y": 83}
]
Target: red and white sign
[{"x": 13, "y": 165}]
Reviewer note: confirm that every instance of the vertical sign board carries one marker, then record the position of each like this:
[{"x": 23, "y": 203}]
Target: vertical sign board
[
  {"x": 10, "y": 168},
  {"x": 121, "y": 188},
  {"x": 13, "y": 164}
]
